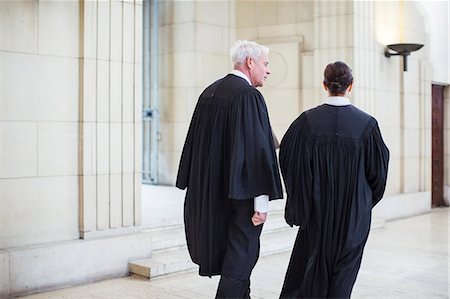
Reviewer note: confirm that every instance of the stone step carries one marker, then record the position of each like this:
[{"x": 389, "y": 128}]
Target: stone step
[
  {"x": 377, "y": 223},
  {"x": 174, "y": 260},
  {"x": 167, "y": 238},
  {"x": 170, "y": 254},
  {"x": 163, "y": 262},
  {"x": 173, "y": 237}
]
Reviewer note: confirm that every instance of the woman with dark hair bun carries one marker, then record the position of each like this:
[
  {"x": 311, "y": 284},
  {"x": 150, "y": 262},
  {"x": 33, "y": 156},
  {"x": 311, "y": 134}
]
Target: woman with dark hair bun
[{"x": 334, "y": 164}]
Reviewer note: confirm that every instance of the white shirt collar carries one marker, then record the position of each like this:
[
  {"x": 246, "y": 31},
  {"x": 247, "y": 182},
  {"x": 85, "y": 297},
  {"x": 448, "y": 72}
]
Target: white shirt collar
[
  {"x": 337, "y": 101},
  {"x": 241, "y": 74}
]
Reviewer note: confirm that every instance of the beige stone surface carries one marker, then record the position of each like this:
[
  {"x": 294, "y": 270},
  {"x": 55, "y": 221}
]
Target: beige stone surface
[
  {"x": 283, "y": 105},
  {"x": 284, "y": 63},
  {"x": 128, "y": 92},
  {"x": 213, "y": 67},
  {"x": 310, "y": 98},
  {"x": 59, "y": 28},
  {"x": 128, "y": 29},
  {"x": 103, "y": 90},
  {"x": 412, "y": 175},
  {"x": 51, "y": 92},
  {"x": 216, "y": 13},
  {"x": 137, "y": 93},
  {"x": 103, "y": 29},
  {"x": 116, "y": 30},
  {"x": 127, "y": 199},
  {"x": 90, "y": 29},
  {"x": 138, "y": 149},
  {"x": 48, "y": 204},
  {"x": 89, "y": 90},
  {"x": 178, "y": 38},
  {"x": 116, "y": 85},
  {"x": 177, "y": 104},
  {"x": 4, "y": 274},
  {"x": 18, "y": 149},
  {"x": 168, "y": 166},
  {"x": 174, "y": 75},
  {"x": 182, "y": 12},
  {"x": 103, "y": 148},
  {"x": 393, "y": 139},
  {"x": 115, "y": 147},
  {"x": 137, "y": 204},
  {"x": 2, "y": 102},
  {"x": 88, "y": 208},
  {"x": 394, "y": 183},
  {"x": 89, "y": 141},
  {"x": 128, "y": 144},
  {"x": 212, "y": 39},
  {"x": 102, "y": 206},
  {"x": 57, "y": 148},
  {"x": 19, "y": 32},
  {"x": 428, "y": 173},
  {"x": 115, "y": 200},
  {"x": 138, "y": 28},
  {"x": 412, "y": 144}
]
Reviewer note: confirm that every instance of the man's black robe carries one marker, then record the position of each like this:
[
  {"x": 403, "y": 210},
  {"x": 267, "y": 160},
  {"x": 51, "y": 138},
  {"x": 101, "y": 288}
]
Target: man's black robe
[
  {"x": 334, "y": 164},
  {"x": 228, "y": 155}
]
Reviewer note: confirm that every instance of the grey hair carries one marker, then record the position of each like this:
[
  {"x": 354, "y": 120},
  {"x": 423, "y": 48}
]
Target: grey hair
[{"x": 244, "y": 48}]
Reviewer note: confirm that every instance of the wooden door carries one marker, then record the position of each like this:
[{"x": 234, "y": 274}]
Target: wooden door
[{"x": 437, "y": 150}]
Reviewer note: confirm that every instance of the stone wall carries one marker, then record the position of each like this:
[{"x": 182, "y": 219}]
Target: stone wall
[{"x": 39, "y": 134}]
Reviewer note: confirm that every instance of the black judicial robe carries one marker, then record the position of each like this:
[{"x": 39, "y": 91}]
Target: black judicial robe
[
  {"x": 228, "y": 155},
  {"x": 334, "y": 164}
]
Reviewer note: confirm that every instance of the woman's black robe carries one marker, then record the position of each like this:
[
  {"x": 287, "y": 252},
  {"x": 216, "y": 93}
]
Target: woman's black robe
[{"x": 334, "y": 164}]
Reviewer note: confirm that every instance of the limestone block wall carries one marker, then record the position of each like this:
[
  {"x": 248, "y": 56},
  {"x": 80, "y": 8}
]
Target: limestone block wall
[
  {"x": 39, "y": 134},
  {"x": 195, "y": 37},
  {"x": 70, "y": 119}
]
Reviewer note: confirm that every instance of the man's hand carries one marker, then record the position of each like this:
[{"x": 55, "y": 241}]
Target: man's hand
[{"x": 259, "y": 218}]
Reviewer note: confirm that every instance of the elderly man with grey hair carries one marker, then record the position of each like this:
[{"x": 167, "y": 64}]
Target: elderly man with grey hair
[{"x": 230, "y": 170}]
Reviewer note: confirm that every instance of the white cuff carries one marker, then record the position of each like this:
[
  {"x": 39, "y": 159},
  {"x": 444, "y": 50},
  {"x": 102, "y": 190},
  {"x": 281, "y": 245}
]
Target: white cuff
[{"x": 262, "y": 203}]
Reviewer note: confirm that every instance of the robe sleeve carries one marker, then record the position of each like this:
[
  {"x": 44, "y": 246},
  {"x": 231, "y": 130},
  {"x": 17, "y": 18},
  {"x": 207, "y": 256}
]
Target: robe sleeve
[
  {"x": 295, "y": 163},
  {"x": 253, "y": 163},
  {"x": 376, "y": 163}
]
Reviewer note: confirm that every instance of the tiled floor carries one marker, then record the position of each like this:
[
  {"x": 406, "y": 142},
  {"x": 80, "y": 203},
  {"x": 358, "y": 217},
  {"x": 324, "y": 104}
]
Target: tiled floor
[{"x": 408, "y": 258}]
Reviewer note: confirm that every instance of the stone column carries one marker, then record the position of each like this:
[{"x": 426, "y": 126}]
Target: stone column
[{"x": 110, "y": 116}]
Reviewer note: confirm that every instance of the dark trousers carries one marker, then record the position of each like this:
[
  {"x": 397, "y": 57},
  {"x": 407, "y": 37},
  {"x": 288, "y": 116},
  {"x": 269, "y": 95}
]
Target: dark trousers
[{"x": 242, "y": 252}]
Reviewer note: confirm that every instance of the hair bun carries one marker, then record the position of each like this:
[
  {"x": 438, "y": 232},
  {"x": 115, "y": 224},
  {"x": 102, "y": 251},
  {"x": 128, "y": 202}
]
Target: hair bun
[{"x": 335, "y": 85}]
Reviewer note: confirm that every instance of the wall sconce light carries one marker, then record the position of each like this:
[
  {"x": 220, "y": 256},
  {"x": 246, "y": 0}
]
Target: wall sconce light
[{"x": 403, "y": 50}]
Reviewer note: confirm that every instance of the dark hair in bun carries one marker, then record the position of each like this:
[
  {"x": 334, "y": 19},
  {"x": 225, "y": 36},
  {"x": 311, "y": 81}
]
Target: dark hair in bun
[{"x": 337, "y": 77}]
